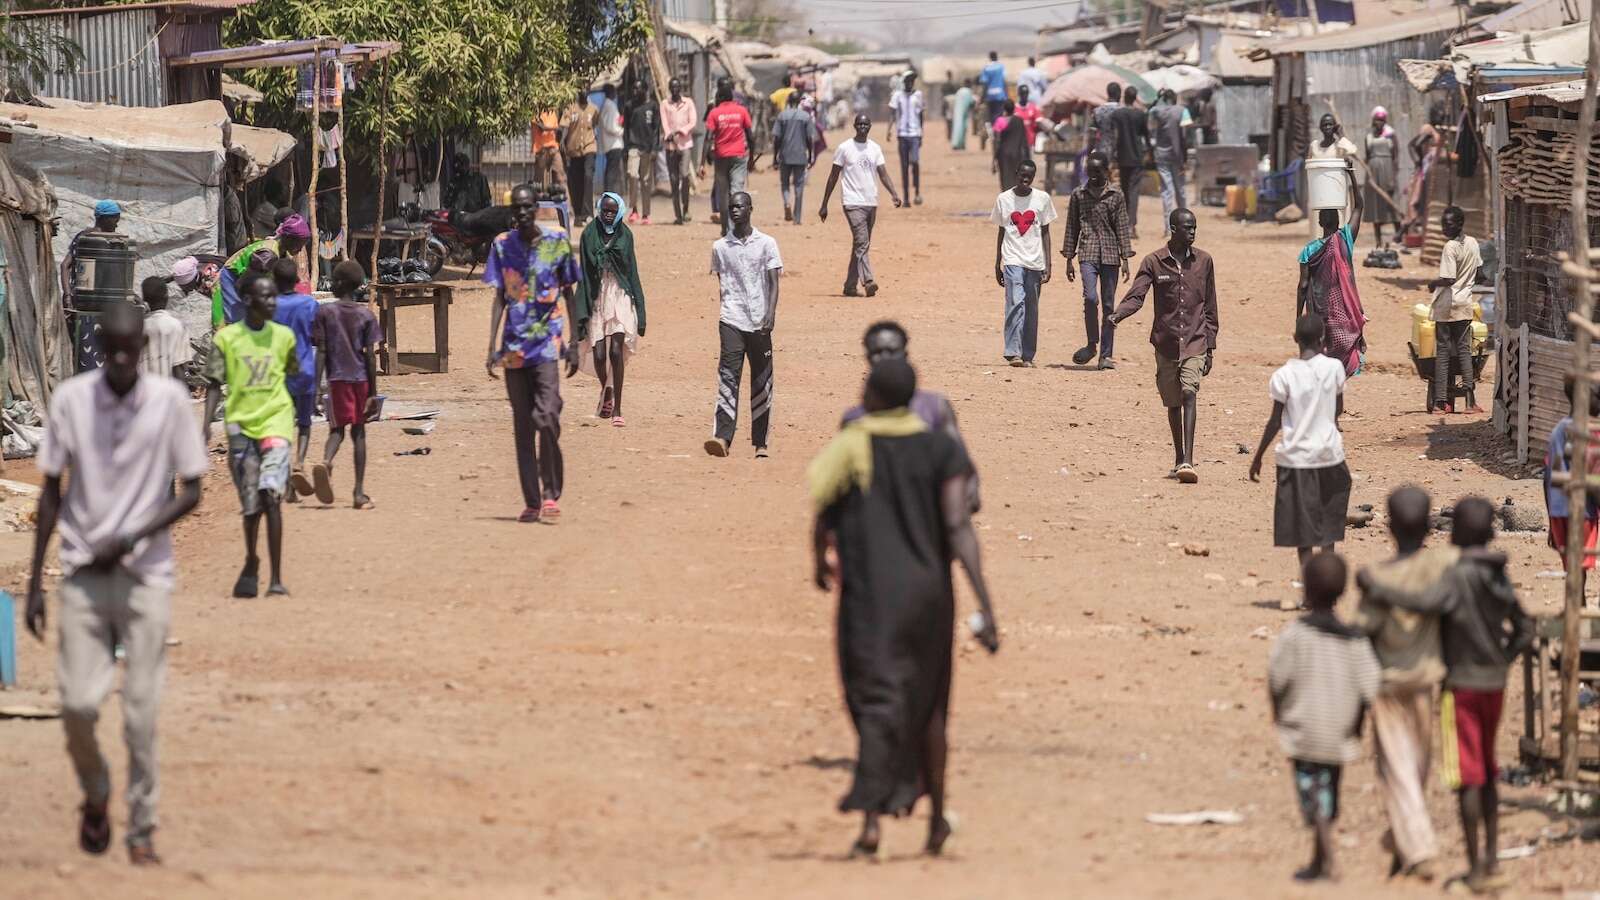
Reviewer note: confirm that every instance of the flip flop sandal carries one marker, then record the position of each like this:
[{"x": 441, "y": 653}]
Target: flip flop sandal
[
  {"x": 301, "y": 484},
  {"x": 324, "y": 484},
  {"x": 94, "y": 830},
  {"x": 529, "y": 514},
  {"x": 617, "y": 422},
  {"x": 870, "y": 854},
  {"x": 249, "y": 583},
  {"x": 550, "y": 513},
  {"x": 607, "y": 405},
  {"x": 716, "y": 447},
  {"x": 362, "y": 503},
  {"x": 1187, "y": 474},
  {"x": 952, "y": 822}
]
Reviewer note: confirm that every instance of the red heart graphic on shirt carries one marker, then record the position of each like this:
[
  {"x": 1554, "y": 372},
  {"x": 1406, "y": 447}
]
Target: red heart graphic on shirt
[{"x": 1023, "y": 220}]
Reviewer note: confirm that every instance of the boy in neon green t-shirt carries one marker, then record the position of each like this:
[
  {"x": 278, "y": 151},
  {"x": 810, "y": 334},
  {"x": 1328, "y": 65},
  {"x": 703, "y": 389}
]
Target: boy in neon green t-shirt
[{"x": 254, "y": 357}]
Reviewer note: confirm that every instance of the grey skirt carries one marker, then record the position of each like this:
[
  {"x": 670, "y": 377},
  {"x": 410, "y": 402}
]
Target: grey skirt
[{"x": 1310, "y": 506}]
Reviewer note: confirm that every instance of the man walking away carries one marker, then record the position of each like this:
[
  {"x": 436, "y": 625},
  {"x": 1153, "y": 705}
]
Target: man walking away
[
  {"x": 533, "y": 272},
  {"x": 748, "y": 270},
  {"x": 794, "y": 137},
  {"x": 643, "y": 142},
  {"x": 1132, "y": 127},
  {"x": 906, "y": 105},
  {"x": 730, "y": 142},
  {"x": 346, "y": 336},
  {"x": 578, "y": 140},
  {"x": 855, "y": 161},
  {"x": 1183, "y": 329},
  {"x": 1102, "y": 127},
  {"x": 1169, "y": 122},
  {"x": 993, "y": 79},
  {"x": 1097, "y": 232},
  {"x": 611, "y": 142},
  {"x": 1407, "y": 644},
  {"x": 1313, "y": 481},
  {"x": 122, "y": 436},
  {"x": 1022, "y": 217},
  {"x": 678, "y": 119},
  {"x": 298, "y": 313},
  {"x": 1452, "y": 311}
]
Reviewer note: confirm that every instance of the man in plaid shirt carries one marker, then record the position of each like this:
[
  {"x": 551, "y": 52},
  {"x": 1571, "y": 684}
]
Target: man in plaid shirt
[{"x": 1098, "y": 235}]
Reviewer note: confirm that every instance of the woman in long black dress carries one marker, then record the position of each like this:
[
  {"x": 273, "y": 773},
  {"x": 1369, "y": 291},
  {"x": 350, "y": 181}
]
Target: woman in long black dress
[
  {"x": 892, "y": 495},
  {"x": 1010, "y": 146}
]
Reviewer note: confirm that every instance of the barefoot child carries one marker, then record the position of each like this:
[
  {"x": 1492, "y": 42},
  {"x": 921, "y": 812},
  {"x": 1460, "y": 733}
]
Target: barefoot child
[
  {"x": 346, "y": 333},
  {"x": 1322, "y": 677},
  {"x": 253, "y": 357},
  {"x": 1485, "y": 629},
  {"x": 1558, "y": 458},
  {"x": 167, "y": 350},
  {"x": 297, "y": 312}
]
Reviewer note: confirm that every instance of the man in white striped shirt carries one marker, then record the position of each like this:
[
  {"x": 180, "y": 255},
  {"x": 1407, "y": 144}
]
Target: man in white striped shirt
[
  {"x": 907, "y": 105},
  {"x": 1322, "y": 677}
]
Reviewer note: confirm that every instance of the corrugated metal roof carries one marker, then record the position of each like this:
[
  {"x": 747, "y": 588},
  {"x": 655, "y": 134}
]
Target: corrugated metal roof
[
  {"x": 1530, "y": 14},
  {"x": 121, "y": 62},
  {"x": 79, "y": 11},
  {"x": 1382, "y": 32},
  {"x": 1560, "y": 92}
]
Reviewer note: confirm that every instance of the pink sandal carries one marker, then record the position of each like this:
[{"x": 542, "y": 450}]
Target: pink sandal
[
  {"x": 617, "y": 422},
  {"x": 550, "y": 513}
]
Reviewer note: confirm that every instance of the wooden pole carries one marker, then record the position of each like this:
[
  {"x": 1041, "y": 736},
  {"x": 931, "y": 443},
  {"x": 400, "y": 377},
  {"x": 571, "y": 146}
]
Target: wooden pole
[
  {"x": 344, "y": 187},
  {"x": 1577, "y": 489},
  {"x": 383, "y": 166},
  {"x": 316, "y": 166}
]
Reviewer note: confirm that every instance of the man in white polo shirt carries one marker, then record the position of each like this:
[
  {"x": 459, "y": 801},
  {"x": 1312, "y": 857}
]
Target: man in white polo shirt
[
  {"x": 906, "y": 105},
  {"x": 748, "y": 268},
  {"x": 855, "y": 162},
  {"x": 123, "y": 436}
]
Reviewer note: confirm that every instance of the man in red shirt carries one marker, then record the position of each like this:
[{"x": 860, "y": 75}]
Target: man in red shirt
[
  {"x": 730, "y": 142},
  {"x": 1028, "y": 111}
]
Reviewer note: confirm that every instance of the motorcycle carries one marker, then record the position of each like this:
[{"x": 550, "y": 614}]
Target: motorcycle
[{"x": 462, "y": 238}]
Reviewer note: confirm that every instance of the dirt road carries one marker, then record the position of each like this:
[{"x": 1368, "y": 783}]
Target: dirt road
[{"x": 642, "y": 701}]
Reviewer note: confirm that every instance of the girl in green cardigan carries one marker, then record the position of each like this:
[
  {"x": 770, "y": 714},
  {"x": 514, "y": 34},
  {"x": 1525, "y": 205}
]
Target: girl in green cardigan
[{"x": 610, "y": 302}]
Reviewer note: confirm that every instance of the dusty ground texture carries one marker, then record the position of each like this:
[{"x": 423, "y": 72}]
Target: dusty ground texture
[{"x": 643, "y": 701}]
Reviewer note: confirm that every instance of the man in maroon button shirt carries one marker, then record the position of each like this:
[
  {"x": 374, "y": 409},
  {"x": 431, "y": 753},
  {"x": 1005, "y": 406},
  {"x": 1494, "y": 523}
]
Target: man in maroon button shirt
[{"x": 1183, "y": 331}]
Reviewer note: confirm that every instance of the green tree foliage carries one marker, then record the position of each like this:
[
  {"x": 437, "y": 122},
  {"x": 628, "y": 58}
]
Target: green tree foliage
[
  {"x": 29, "y": 52},
  {"x": 473, "y": 69}
]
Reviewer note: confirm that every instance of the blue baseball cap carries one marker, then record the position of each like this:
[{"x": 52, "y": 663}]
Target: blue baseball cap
[{"x": 107, "y": 208}]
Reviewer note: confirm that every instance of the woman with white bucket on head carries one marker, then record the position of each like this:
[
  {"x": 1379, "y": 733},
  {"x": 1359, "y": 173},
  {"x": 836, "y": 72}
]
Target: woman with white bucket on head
[{"x": 1333, "y": 146}]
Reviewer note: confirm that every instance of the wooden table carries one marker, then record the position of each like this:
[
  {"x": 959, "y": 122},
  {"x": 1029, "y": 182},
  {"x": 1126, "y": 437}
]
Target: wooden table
[
  {"x": 411, "y": 241},
  {"x": 391, "y": 297}
]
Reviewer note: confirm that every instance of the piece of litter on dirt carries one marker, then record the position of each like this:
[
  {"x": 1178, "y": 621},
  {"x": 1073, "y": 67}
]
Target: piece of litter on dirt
[
  {"x": 1249, "y": 582},
  {"x": 1219, "y": 705},
  {"x": 1197, "y": 550},
  {"x": 1173, "y": 545},
  {"x": 1261, "y": 633},
  {"x": 467, "y": 476},
  {"x": 1024, "y": 537},
  {"x": 1551, "y": 573},
  {"x": 677, "y": 456},
  {"x": 424, "y": 428},
  {"x": 1523, "y": 852},
  {"x": 26, "y": 711},
  {"x": 174, "y": 642},
  {"x": 1242, "y": 449},
  {"x": 1215, "y": 576},
  {"x": 1202, "y": 817},
  {"x": 420, "y": 451},
  {"x": 1064, "y": 470}
]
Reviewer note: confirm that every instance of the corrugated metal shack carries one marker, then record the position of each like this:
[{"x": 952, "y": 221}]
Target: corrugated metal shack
[
  {"x": 126, "y": 49},
  {"x": 1530, "y": 132},
  {"x": 1349, "y": 72}
]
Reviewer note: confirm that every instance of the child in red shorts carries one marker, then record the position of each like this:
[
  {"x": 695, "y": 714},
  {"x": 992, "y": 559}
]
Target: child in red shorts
[
  {"x": 1477, "y": 604},
  {"x": 1558, "y": 458},
  {"x": 346, "y": 335}
]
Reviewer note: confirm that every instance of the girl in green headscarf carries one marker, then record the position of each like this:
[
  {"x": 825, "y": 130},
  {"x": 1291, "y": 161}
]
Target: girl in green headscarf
[{"x": 610, "y": 302}]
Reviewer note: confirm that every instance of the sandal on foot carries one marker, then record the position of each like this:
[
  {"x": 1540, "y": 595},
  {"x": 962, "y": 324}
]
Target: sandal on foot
[
  {"x": 716, "y": 447},
  {"x": 362, "y": 501},
  {"x": 529, "y": 514},
  {"x": 278, "y": 589},
  {"x": 143, "y": 855},
  {"x": 873, "y": 854},
  {"x": 1187, "y": 474},
  {"x": 94, "y": 829},
  {"x": 617, "y": 422},
  {"x": 952, "y": 823},
  {"x": 550, "y": 513},
  {"x": 322, "y": 482},
  {"x": 300, "y": 483},
  {"x": 1083, "y": 355}
]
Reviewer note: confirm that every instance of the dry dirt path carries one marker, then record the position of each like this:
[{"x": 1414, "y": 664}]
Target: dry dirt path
[{"x": 643, "y": 700}]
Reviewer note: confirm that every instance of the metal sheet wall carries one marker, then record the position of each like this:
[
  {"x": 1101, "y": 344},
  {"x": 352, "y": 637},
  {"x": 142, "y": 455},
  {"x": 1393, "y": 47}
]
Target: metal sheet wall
[
  {"x": 1243, "y": 110},
  {"x": 121, "y": 64},
  {"x": 1361, "y": 78}
]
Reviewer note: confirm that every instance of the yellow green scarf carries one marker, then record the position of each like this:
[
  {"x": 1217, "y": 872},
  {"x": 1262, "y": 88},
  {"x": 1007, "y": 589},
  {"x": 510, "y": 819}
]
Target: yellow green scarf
[{"x": 847, "y": 460}]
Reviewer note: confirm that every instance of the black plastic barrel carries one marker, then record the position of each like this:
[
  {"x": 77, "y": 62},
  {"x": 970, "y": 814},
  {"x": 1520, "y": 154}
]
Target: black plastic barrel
[{"x": 102, "y": 274}]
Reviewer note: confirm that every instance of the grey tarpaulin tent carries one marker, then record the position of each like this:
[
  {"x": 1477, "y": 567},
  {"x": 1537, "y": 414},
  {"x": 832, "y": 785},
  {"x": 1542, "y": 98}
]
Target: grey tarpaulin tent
[{"x": 37, "y": 351}]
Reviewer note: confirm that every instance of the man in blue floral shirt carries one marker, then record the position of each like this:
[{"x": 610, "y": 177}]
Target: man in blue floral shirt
[{"x": 533, "y": 272}]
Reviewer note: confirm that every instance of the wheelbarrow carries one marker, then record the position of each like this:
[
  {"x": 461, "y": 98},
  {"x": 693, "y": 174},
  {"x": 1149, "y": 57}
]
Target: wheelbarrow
[{"x": 1458, "y": 387}]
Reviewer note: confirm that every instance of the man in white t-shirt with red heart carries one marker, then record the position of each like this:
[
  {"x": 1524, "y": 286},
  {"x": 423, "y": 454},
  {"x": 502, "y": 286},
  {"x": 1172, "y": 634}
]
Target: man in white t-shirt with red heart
[{"x": 1022, "y": 216}]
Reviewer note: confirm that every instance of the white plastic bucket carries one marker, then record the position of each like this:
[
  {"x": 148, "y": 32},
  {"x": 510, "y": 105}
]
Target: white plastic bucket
[{"x": 1327, "y": 185}]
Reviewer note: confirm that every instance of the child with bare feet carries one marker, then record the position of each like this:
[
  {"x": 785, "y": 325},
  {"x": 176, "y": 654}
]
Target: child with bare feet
[
  {"x": 1322, "y": 677},
  {"x": 346, "y": 335}
]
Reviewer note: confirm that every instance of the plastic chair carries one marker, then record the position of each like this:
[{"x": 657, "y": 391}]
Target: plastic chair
[{"x": 1279, "y": 189}]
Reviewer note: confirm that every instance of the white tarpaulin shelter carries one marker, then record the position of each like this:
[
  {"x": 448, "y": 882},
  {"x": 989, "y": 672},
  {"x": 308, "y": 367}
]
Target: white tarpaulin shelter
[
  {"x": 163, "y": 165},
  {"x": 1181, "y": 79}
]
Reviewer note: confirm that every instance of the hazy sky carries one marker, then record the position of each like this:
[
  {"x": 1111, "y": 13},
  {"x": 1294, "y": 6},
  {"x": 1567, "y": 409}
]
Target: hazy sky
[{"x": 930, "y": 23}]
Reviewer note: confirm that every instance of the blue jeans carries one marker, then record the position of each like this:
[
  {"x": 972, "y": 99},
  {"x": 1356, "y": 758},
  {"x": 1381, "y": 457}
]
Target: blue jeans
[
  {"x": 1170, "y": 168},
  {"x": 1099, "y": 301},
  {"x": 1022, "y": 311}
]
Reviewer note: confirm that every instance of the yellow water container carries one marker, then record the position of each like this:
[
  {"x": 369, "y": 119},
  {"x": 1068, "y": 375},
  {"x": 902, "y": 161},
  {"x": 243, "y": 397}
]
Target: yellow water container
[
  {"x": 1235, "y": 201},
  {"x": 1250, "y": 202},
  {"x": 1422, "y": 330}
]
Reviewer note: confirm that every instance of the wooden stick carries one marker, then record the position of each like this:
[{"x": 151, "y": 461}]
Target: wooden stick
[
  {"x": 344, "y": 188},
  {"x": 313, "y": 247},
  {"x": 383, "y": 166}
]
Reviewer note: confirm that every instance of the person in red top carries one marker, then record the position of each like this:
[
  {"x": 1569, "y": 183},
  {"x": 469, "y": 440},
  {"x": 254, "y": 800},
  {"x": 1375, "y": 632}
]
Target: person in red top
[
  {"x": 1028, "y": 111},
  {"x": 729, "y": 128}
]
